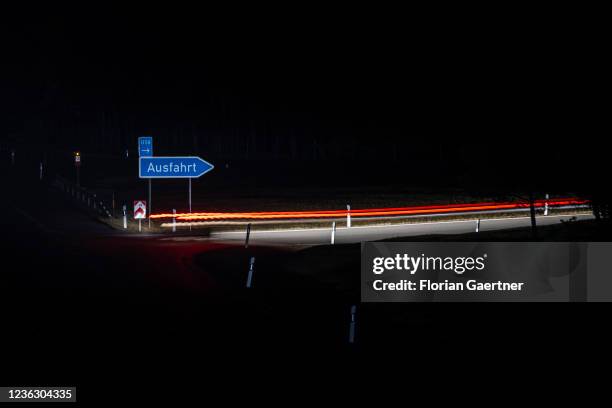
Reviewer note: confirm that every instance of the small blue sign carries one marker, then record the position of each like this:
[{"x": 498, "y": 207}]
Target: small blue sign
[
  {"x": 145, "y": 146},
  {"x": 172, "y": 167}
]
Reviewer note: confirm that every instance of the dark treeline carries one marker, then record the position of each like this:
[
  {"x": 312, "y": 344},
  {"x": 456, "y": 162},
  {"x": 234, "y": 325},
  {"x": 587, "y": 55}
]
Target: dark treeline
[{"x": 490, "y": 109}]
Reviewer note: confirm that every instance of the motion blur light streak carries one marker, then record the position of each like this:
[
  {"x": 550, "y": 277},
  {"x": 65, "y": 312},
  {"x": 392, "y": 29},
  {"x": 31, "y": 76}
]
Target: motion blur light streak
[{"x": 372, "y": 212}]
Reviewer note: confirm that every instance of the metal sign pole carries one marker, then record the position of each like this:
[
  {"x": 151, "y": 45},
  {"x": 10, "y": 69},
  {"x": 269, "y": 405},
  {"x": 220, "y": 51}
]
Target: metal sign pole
[
  {"x": 150, "y": 205},
  {"x": 190, "y": 195},
  {"x": 77, "y": 164}
]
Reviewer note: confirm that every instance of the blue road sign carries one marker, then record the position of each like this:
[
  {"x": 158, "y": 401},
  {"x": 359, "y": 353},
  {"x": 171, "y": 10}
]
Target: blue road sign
[
  {"x": 145, "y": 146},
  {"x": 173, "y": 167}
]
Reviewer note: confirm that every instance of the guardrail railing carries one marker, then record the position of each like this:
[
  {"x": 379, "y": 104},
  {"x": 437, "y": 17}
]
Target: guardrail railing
[{"x": 83, "y": 197}]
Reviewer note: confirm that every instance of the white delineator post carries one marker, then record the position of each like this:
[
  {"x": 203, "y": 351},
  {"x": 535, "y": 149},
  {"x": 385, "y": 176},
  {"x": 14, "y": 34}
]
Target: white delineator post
[
  {"x": 546, "y": 205},
  {"x": 124, "y": 217},
  {"x": 248, "y": 235},
  {"x": 41, "y": 170},
  {"x": 174, "y": 220},
  {"x": 333, "y": 233},
  {"x": 251, "y": 270},
  {"x": 351, "y": 338},
  {"x": 478, "y": 225},
  {"x": 348, "y": 216}
]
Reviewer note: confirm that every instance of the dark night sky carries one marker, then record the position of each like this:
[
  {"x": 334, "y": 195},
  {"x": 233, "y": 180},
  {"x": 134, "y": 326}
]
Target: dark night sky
[{"x": 416, "y": 79}]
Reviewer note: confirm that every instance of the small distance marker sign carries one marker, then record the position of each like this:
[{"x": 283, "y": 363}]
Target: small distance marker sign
[{"x": 140, "y": 210}]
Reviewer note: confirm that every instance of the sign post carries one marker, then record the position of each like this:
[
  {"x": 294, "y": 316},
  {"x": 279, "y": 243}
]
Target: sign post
[
  {"x": 140, "y": 212},
  {"x": 150, "y": 203},
  {"x": 77, "y": 164}
]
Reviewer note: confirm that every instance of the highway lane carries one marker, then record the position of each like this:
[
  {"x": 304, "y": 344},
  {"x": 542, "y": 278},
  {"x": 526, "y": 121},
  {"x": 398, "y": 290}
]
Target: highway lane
[
  {"x": 58, "y": 217},
  {"x": 377, "y": 232}
]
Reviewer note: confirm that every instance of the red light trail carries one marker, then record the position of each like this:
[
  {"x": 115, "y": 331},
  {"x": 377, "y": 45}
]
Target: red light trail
[{"x": 371, "y": 212}]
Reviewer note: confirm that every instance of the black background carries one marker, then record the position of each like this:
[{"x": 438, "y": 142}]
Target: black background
[
  {"x": 508, "y": 93},
  {"x": 520, "y": 89}
]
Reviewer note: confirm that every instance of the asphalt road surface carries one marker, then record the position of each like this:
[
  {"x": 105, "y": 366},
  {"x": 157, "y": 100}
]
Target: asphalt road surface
[
  {"x": 377, "y": 232},
  {"x": 82, "y": 304}
]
